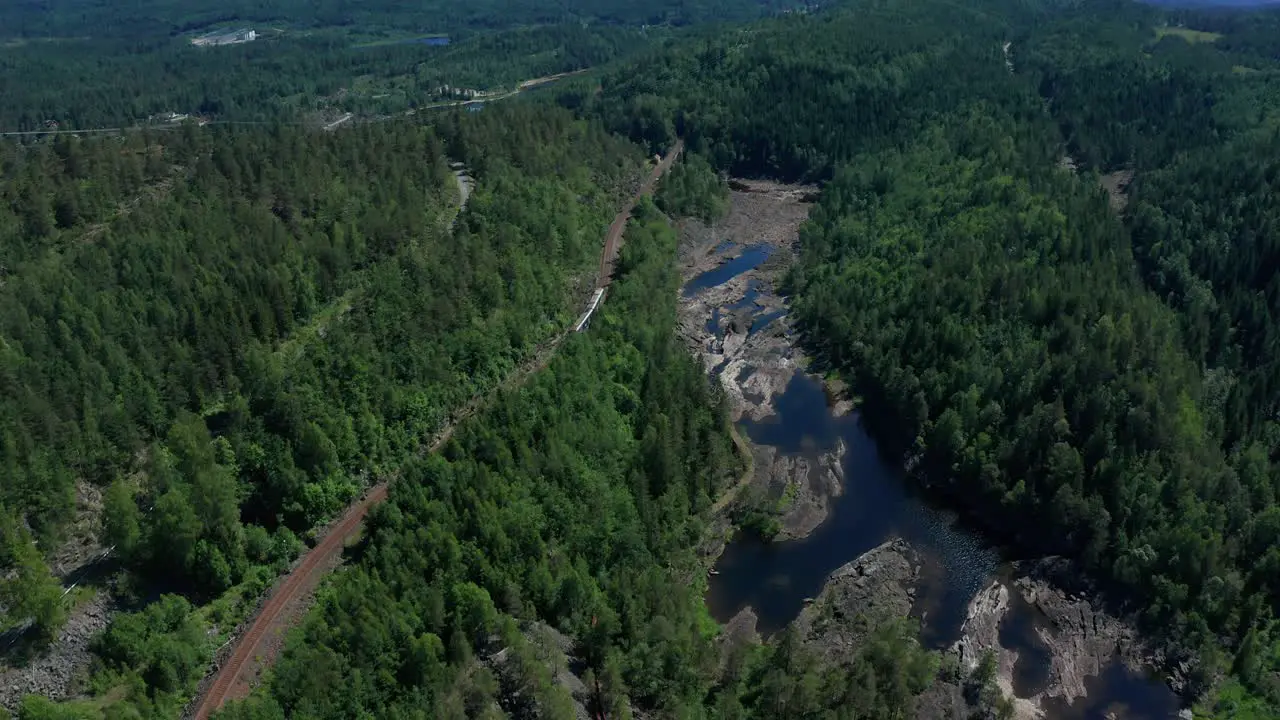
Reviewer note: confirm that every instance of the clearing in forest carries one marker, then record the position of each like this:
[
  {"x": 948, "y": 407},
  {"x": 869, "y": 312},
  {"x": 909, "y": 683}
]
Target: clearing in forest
[{"x": 1191, "y": 36}]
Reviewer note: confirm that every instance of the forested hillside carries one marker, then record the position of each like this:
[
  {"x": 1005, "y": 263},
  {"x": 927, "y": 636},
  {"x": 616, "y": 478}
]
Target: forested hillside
[
  {"x": 147, "y": 278},
  {"x": 310, "y": 62},
  {"x": 233, "y": 332},
  {"x": 285, "y": 77},
  {"x": 1042, "y": 259},
  {"x": 572, "y": 506},
  {"x": 995, "y": 313},
  {"x": 154, "y": 18},
  {"x": 810, "y": 92}
]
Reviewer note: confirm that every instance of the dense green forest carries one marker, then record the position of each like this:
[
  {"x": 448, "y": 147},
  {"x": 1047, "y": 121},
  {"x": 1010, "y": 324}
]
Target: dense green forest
[
  {"x": 158, "y": 18},
  {"x": 571, "y": 506},
  {"x": 283, "y": 77},
  {"x": 311, "y": 61},
  {"x": 233, "y": 331},
  {"x": 1083, "y": 382},
  {"x": 230, "y": 331},
  {"x": 795, "y": 101}
]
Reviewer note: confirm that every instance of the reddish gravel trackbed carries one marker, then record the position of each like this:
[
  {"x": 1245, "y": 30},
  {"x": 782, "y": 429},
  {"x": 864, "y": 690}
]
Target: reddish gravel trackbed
[
  {"x": 259, "y": 646},
  {"x": 613, "y": 240},
  {"x": 262, "y": 639}
]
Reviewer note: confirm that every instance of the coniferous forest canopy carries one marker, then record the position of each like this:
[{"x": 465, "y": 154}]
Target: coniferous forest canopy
[
  {"x": 1084, "y": 380},
  {"x": 282, "y": 77},
  {"x": 150, "y": 18},
  {"x": 228, "y": 332},
  {"x": 310, "y": 58},
  {"x": 235, "y": 330}
]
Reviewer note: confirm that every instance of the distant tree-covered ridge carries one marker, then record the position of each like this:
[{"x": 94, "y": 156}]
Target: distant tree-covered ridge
[
  {"x": 157, "y": 18},
  {"x": 85, "y": 65}
]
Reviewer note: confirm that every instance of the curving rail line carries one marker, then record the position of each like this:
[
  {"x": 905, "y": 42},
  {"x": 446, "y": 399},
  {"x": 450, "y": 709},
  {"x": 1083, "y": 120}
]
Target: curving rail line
[{"x": 234, "y": 678}]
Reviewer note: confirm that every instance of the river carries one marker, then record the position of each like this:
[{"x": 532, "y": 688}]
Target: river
[{"x": 776, "y": 578}]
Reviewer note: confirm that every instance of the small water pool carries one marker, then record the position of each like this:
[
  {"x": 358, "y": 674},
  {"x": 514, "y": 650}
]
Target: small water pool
[
  {"x": 749, "y": 297},
  {"x": 429, "y": 40},
  {"x": 1118, "y": 693},
  {"x": 764, "y": 318},
  {"x": 748, "y": 260},
  {"x": 1018, "y": 633}
]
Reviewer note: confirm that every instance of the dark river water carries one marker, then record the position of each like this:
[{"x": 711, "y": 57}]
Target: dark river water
[
  {"x": 748, "y": 260},
  {"x": 775, "y": 578}
]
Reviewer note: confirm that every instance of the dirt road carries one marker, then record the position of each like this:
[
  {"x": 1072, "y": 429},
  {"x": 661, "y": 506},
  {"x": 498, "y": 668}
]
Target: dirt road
[
  {"x": 499, "y": 95},
  {"x": 258, "y": 648},
  {"x": 334, "y": 125}
]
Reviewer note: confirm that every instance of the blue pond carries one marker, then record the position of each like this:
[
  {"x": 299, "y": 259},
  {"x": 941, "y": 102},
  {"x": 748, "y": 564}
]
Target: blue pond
[
  {"x": 1118, "y": 693},
  {"x": 749, "y": 297},
  {"x": 763, "y": 319},
  {"x": 748, "y": 260}
]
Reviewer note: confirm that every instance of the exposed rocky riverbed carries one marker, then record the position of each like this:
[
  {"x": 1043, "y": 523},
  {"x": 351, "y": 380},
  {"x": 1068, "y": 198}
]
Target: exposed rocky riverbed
[
  {"x": 738, "y": 325},
  {"x": 878, "y": 585},
  {"x": 814, "y": 465},
  {"x": 1081, "y": 648},
  {"x": 60, "y": 668}
]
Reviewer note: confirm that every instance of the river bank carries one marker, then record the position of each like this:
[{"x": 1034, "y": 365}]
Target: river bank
[
  {"x": 838, "y": 504},
  {"x": 733, "y": 318}
]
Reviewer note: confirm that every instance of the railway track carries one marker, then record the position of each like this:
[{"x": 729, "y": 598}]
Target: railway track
[{"x": 259, "y": 646}]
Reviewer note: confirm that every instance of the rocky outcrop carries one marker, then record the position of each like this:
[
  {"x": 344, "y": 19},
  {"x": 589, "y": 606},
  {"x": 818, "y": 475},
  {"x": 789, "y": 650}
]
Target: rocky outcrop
[
  {"x": 59, "y": 671},
  {"x": 736, "y": 641},
  {"x": 753, "y": 368},
  {"x": 980, "y": 636},
  {"x": 804, "y": 487},
  {"x": 1080, "y": 639},
  {"x": 980, "y": 633},
  {"x": 879, "y": 584},
  {"x": 537, "y": 677}
]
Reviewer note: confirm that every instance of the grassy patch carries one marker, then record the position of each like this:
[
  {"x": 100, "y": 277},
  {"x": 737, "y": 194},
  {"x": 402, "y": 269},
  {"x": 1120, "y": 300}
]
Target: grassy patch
[
  {"x": 315, "y": 328},
  {"x": 788, "y": 498},
  {"x": 1192, "y": 36},
  {"x": 79, "y": 595},
  {"x": 1232, "y": 700}
]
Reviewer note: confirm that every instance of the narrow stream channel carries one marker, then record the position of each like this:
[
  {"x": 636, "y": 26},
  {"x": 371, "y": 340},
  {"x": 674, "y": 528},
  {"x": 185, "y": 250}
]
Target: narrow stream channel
[
  {"x": 748, "y": 260},
  {"x": 776, "y": 578}
]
